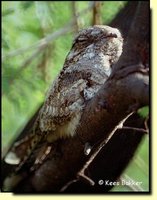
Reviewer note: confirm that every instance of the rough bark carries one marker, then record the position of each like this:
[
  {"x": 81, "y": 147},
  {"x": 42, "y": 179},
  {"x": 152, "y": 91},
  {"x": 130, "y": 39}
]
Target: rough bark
[{"x": 125, "y": 91}]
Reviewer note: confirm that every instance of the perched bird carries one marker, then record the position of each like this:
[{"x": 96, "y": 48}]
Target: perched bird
[{"x": 86, "y": 68}]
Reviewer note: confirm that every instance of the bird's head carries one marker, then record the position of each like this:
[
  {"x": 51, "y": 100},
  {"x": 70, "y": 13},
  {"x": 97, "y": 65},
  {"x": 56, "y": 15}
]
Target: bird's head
[{"x": 106, "y": 39}]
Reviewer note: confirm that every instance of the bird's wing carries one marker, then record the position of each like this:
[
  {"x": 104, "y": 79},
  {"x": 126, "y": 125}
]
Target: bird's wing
[{"x": 64, "y": 101}]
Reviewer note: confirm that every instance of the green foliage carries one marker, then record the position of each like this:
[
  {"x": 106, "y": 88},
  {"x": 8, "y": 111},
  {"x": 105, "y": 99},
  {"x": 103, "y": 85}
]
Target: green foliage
[
  {"x": 25, "y": 78},
  {"x": 144, "y": 112}
]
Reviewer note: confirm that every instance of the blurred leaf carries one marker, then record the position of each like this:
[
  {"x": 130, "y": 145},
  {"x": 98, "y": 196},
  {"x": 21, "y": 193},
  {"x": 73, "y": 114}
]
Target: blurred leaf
[
  {"x": 7, "y": 11},
  {"x": 144, "y": 112}
]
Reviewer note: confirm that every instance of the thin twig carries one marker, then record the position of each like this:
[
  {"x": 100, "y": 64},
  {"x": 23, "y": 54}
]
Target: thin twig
[
  {"x": 85, "y": 178},
  {"x": 68, "y": 184},
  {"x": 134, "y": 129}
]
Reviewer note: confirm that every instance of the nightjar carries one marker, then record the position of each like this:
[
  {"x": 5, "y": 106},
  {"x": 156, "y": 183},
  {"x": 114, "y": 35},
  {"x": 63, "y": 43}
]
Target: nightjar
[{"x": 86, "y": 68}]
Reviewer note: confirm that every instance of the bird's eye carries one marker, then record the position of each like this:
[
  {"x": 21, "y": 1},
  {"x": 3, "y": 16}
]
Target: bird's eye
[
  {"x": 81, "y": 39},
  {"x": 113, "y": 35}
]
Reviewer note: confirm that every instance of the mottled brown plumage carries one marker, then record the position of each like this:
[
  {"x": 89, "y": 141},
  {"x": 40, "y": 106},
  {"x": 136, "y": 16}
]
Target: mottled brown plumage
[{"x": 86, "y": 68}]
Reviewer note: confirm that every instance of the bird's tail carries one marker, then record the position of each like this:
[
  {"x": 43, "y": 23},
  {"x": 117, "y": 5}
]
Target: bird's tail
[{"x": 22, "y": 149}]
